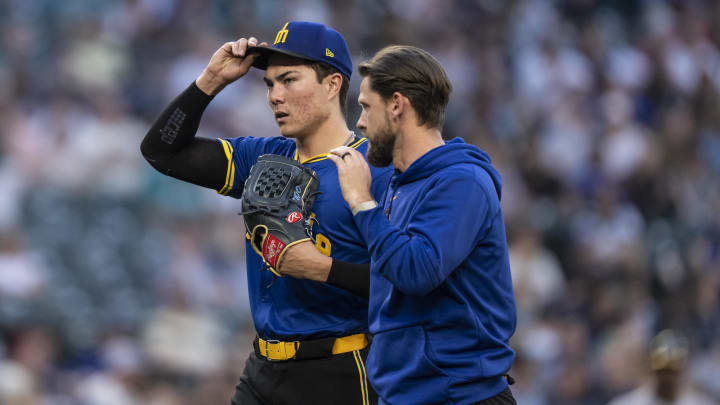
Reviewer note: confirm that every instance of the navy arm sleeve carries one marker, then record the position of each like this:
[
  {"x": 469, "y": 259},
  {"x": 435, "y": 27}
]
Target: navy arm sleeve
[
  {"x": 350, "y": 276},
  {"x": 446, "y": 225},
  {"x": 170, "y": 146}
]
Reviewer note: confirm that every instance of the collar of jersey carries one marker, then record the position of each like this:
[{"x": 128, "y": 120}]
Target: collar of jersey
[{"x": 324, "y": 156}]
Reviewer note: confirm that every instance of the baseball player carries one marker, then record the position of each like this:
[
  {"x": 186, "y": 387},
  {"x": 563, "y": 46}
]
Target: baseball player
[
  {"x": 312, "y": 341},
  {"x": 442, "y": 308}
]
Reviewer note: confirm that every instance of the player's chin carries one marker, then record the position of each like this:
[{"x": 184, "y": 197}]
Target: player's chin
[{"x": 287, "y": 131}]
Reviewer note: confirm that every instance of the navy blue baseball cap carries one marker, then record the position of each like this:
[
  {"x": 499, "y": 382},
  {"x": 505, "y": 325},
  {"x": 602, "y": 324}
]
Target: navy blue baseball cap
[{"x": 307, "y": 40}]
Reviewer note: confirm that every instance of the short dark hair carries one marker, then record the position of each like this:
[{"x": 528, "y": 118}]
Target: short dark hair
[
  {"x": 323, "y": 70},
  {"x": 415, "y": 74}
]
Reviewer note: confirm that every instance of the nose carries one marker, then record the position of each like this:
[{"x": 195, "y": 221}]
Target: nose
[
  {"x": 275, "y": 95},
  {"x": 362, "y": 122}
]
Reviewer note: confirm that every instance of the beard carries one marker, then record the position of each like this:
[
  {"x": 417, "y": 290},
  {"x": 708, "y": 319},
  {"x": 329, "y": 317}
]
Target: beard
[{"x": 380, "y": 151}]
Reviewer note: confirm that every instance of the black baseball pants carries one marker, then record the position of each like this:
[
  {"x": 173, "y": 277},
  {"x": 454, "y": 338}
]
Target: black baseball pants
[{"x": 338, "y": 379}]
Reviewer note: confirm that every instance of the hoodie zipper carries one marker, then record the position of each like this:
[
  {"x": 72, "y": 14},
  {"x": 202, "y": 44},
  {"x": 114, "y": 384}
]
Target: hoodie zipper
[{"x": 390, "y": 197}]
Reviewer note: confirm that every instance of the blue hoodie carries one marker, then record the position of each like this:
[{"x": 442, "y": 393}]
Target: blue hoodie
[{"x": 442, "y": 308}]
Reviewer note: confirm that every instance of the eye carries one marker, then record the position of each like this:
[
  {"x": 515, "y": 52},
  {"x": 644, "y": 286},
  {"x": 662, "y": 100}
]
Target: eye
[
  {"x": 288, "y": 80},
  {"x": 268, "y": 83}
]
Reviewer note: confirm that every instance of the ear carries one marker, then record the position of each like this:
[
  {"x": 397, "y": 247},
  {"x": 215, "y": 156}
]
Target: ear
[
  {"x": 397, "y": 105},
  {"x": 333, "y": 83}
]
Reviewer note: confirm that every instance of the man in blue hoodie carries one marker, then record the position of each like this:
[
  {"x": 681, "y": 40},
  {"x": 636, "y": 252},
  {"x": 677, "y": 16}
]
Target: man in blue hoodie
[{"x": 442, "y": 308}]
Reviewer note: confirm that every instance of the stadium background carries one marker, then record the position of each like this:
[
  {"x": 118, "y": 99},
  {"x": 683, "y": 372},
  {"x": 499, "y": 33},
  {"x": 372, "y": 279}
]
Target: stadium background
[{"x": 121, "y": 286}]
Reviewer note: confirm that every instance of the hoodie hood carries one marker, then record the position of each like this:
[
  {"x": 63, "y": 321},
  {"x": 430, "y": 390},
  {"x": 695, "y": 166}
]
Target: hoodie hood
[{"x": 454, "y": 152}]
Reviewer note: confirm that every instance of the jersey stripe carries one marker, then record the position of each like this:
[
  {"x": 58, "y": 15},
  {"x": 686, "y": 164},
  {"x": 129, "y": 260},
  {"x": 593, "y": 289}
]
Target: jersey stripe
[
  {"x": 363, "y": 377},
  {"x": 323, "y": 156},
  {"x": 365, "y": 382},
  {"x": 358, "y": 143},
  {"x": 230, "y": 175}
]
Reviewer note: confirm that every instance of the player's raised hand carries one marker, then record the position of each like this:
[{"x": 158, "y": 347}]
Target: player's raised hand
[
  {"x": 353, "y": 175},
  {"x": 227, "y": 64}
]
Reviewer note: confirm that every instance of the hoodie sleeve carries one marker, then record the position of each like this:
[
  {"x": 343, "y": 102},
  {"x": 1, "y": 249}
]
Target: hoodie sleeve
[{"x": 447, "y": 224}]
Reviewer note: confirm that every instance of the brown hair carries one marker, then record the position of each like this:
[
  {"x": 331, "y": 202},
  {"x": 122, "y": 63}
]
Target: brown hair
[
  {"x": 415, "y": 74},
  {"x": 323, "y": 70}
]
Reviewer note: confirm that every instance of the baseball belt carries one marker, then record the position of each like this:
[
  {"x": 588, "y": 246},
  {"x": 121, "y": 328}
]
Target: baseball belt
[{"x": 275, "y": 350}]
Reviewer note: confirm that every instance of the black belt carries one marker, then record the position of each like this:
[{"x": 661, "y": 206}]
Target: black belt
[{"x": 275, "y": 350}]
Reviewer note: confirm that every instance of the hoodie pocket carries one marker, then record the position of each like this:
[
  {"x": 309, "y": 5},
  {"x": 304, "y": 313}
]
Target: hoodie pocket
[{"x": 401, "y": 371}]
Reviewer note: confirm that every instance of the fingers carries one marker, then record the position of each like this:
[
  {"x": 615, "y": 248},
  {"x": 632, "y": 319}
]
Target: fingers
[
  {"x": 240, "y": 46},
  {"x": 353, "y": 174},
  {"x": 346, "y": 157},
  {"x": 336, "y": 155},
  {"x": 335, "y": 158},
  {"x": 242, "y": 42},
  {"x": 339, "y": 150},
  {"x": 345, "y": 152}
]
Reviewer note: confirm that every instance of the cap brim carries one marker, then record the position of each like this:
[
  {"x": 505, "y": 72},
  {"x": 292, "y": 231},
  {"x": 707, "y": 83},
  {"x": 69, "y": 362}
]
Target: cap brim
[{"x": 261, "y": 62}]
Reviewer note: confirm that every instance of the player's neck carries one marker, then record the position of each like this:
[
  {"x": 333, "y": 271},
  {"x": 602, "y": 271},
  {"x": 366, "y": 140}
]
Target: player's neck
[
  {"x": 414, "y": 142},
  {"x": 330, "y": 134}
]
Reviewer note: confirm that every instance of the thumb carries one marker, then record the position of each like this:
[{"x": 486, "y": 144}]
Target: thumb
[{"x": 248, "y": 61}]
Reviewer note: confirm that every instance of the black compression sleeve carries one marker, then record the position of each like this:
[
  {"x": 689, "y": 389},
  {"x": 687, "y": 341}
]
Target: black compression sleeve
[
  {"x": 350, "y": 276},
  {"x": 171, "y": 147},
  {"x": 175, "y": 128}
]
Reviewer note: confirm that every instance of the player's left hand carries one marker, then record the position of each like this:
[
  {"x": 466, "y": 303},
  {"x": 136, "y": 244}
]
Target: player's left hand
[
  {"x": 305, "y": 261},
  {"x": 353, "y": 174}
]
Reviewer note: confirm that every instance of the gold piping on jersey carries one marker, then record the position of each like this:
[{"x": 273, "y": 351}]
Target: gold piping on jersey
[
  {"x": 230, "y": 175},
  {"x": 323, "y": 156}
]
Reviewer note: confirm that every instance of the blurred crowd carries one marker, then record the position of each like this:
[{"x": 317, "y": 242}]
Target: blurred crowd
[{"x": 121, "y": 286}]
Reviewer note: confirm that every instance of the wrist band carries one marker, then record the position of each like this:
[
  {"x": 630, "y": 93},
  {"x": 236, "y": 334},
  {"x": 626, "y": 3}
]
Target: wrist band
[{"x": 364, "y": 206}]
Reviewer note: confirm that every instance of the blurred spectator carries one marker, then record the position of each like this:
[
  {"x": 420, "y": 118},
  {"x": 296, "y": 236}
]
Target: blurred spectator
[
  {"x": 22, "y": 275},
  {"x": 178, "y": 340},
  {"x": 538, "y": 278},
  {"x": 17, "y": 385}
]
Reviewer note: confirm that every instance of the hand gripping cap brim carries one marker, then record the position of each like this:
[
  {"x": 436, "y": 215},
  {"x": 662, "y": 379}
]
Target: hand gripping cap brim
[{"x": 261, "y": 62}]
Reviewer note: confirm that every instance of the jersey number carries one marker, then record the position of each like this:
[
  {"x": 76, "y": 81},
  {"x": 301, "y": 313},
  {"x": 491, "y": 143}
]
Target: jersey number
[{"x": 322, "y": 243}]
